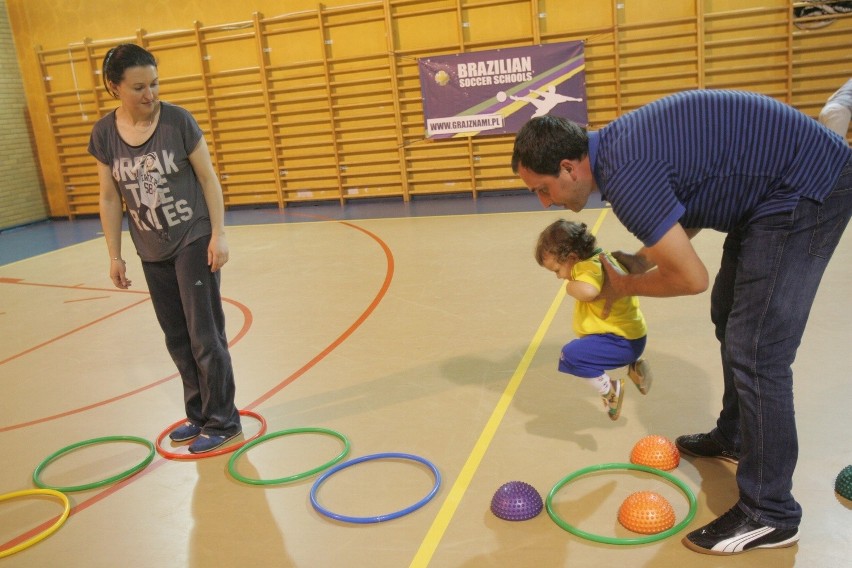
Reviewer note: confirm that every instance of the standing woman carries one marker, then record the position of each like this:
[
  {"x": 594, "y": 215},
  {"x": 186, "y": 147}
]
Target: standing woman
[{"x": 153, "y": 159}]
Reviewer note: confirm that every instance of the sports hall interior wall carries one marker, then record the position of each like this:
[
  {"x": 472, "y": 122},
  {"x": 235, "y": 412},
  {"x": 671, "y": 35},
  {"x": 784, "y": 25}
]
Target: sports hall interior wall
[
  {"x": 21, "y": 192},
  {"x": 323, "y": 102}
]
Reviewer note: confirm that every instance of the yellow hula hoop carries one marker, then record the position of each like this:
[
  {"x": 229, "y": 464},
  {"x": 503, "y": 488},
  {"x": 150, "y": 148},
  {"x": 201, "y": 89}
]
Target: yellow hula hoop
[{"x": 47, "y": 532}]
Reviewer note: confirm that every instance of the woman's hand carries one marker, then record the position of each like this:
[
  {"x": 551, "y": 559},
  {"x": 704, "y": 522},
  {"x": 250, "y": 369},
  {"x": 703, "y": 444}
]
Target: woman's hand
[
  {"x": 118, "y": 273},
  {"x": 217, "y": 252}
]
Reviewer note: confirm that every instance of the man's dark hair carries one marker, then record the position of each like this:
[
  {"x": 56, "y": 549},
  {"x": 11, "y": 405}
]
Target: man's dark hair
[{"x": 543, "y": 142}]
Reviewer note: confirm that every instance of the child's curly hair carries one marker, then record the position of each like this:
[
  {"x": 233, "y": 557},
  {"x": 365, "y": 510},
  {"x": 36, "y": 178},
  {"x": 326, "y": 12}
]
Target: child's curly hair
[{"x": 561, "y": 238}]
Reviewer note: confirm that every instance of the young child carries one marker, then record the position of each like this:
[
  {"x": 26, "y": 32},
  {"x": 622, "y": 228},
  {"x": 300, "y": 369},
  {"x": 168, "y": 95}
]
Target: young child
[{"x": 602, "y": 344}]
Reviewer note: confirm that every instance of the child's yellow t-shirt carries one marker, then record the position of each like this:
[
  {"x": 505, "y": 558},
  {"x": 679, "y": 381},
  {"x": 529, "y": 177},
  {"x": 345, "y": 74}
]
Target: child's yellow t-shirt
[{"x": 625, "y": 318}]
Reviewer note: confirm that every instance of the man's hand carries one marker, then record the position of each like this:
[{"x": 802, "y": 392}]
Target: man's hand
[
  {"x": 614, "y": 285},
  {"x": 671, "y": 267},
  {"x": 636, "y": 263}
]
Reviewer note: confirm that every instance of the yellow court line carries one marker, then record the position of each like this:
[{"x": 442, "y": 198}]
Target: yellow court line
[{"x": 448, "y": 509}]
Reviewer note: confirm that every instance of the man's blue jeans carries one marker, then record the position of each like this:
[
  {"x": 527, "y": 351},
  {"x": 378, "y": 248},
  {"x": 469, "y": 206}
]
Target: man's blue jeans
[{"x": 770, "y": 272}]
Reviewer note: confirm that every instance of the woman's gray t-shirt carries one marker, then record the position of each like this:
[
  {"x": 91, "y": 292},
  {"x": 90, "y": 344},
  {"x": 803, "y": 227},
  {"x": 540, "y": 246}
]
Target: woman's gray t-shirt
[{"x": 166, "y": 209}]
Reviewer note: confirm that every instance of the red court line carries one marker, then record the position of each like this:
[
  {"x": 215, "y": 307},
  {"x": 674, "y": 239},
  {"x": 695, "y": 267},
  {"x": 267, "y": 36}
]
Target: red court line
[
  {"x": 247, "y": 322},
  {"x": 80, "y": 506},
  {"x": 298, "y": 373},
  {"x": 67, "y": 333},
  {"x": 22, "y": 282},
  {"x": 86, "y": 299},
  {"x": 349, "y": 331},
  {"x": 87, "y": 407}
]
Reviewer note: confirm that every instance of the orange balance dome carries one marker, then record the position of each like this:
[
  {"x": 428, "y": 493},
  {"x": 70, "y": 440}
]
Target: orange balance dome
[
  {"x": 646, "y": 512},
  {"x": 655, "y": 451}
]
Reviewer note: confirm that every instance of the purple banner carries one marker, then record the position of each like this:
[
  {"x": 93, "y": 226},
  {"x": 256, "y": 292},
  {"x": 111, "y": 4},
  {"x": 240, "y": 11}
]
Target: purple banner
[{"x": 498, "y": 91}]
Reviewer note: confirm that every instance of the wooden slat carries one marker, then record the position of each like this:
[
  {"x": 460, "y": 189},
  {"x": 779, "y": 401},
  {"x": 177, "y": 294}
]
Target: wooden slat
[{"x": 346, "y": 120}]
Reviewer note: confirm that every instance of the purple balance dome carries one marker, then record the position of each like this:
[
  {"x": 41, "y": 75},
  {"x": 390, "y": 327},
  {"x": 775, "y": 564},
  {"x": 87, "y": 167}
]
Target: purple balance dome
[{"x": 516, "y": 501}]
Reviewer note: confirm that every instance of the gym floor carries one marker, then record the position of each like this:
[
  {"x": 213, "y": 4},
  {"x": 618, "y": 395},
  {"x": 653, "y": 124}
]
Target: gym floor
[{"x": 424, "y": 329}]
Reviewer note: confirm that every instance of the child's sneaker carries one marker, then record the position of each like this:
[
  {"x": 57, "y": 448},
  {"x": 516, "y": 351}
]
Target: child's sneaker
[
  {"x": 613, "y": 399},
  {"x": 640, "y": 373}
]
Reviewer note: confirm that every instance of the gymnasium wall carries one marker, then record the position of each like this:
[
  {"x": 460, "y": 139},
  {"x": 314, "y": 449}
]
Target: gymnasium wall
[
  {"x": 21, "y": 192},
  {"x": 323, "y": 102}
]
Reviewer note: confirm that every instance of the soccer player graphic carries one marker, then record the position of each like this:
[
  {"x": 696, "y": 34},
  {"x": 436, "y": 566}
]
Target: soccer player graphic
[
  {"x": 549, "y": 99},
  {"x": 150, "y": 203}
]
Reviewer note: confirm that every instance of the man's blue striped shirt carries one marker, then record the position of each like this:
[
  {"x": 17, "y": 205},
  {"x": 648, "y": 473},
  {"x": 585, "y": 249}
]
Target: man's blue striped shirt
[{"x": 712, "y": 159}]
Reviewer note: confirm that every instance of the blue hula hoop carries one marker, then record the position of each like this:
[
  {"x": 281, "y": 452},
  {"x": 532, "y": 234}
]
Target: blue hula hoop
[{"x": 378, "y": 518}]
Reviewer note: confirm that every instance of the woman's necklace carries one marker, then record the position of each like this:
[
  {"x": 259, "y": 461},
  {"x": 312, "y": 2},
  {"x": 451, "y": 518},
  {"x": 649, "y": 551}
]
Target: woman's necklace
[{"x": 146, "y": 125}]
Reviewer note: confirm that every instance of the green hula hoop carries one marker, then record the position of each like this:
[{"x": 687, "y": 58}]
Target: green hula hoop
[
  {"x": 115, "y": 478},
  {"x": 693, "y": 504},
  {"x": 289, "y": 479}
]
